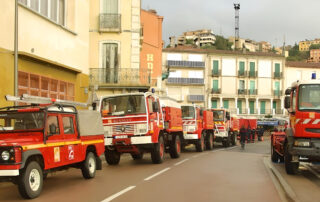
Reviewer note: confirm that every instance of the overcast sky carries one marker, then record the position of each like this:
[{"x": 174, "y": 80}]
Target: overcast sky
[{"x": 260, "y": 20}]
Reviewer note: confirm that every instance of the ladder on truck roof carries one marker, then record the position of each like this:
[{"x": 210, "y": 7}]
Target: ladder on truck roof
[{"x": 25, "y": 98}]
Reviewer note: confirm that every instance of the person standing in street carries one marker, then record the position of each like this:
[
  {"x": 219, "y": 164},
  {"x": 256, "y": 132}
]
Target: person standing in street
[{"x": 243, "y": 136}]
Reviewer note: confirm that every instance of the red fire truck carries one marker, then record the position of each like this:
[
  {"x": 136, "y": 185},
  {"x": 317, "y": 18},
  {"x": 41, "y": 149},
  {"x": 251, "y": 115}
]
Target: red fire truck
[
  {"x": 40, "y": 138},
  {"x": 197, "y": 127},
  {"x": 301, "y": 140},
  {"x": 139, "y": 123},
  {"x": 223, "y": 130}
]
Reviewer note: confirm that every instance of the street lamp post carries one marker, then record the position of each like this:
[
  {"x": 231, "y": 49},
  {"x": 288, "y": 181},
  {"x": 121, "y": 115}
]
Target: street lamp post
[{"x": 16, "y": 49}]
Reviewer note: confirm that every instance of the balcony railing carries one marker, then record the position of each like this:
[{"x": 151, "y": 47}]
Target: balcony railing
[
  {"x": 181, "y": 63},
  {"x": 252, "y": 74},
  {"x": 186, "y": 81},
  {"x": 196, "y": 98},
  {"x": 242, "y": 91},
  {"x": 277, "y": 93},
  {"x": 110, "y": 22},
  {"x": 120, "y": 77},
  {"x": 216, "y": 73},
  {"x": 277, "y": 75},
  {"x": 252, "y": 92},
  {"x": 242, "y": 73},
  {"x": 216, "y": 91}
]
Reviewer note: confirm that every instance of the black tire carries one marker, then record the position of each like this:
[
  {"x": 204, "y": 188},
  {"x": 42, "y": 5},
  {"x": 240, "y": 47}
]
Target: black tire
[
  {"x": 175, "y": 147},
  {"x": 209, "y": 141},
  {"x": 112, "y": 156},
  {"x": 89, "y": 166},
  {"x": 157, "y": 153},
  {"x": 30, "y": 181},
  {"x": 292, "y": 168},
  {"x": 234, "y": 139},
  {"x": 228, "y": 141},
  {"x": 200, "y": 145},
  {"x": 137, "y": 156}
]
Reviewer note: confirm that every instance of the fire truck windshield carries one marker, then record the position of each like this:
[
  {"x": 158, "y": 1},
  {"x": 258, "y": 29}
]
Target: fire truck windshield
[
  {"x": 12, "y": 121},
  {"x": 188, "y": 112},
  {"x": 218, "y": 115},
  {"x": 309, "y": 97},
  {"x": 122, "y": 105}
]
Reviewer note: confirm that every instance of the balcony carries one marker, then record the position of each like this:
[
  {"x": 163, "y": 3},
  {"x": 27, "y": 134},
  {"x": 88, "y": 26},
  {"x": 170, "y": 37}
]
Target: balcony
[
  {"x": 110, "y": 22},
  {"x": 252, "y": 92},
  {"x": 120, "y": 77},
  {"x": 252, "y": 74},
  {"x": 277, "y": 75},
  {"x": 242, "y": 92},
  {"x": 216, "y": 91},
  {"x": 181, "y": 63},
  {"x": 242, "y": 73},
  {"x": 196, "y": 98},
  {"x": 185, "y": 81},
  {"x": 216, "y": 73},
  {"x": 277, "y": 93}
]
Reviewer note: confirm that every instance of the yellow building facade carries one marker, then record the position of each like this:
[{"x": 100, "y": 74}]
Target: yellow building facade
[
  {"x": 53, "y": 49},
  {"x": 305, "y": 45}
]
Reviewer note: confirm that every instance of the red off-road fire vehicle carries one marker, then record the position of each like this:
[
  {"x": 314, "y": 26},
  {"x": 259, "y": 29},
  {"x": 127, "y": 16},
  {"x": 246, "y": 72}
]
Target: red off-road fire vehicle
[
  {"x": 223, "y": 131},
  {"x": 40, "y": 138},
  {"x": 139, "y": 123},
  {"x": 301, "y": 140},
  {"x": 197, "y": 127}
]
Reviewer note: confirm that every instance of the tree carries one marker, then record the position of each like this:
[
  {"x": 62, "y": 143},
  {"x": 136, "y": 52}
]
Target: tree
[
  {"x": 314, "y": 46},
  {"x": 296, "y": 55},
  {"x": 222, "y": 43},
  {"x": 189, "y": 41}
]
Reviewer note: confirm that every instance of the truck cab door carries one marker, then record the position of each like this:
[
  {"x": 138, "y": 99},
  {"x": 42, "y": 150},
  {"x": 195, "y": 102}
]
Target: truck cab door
[
  {"x": 154, "y": 116},
  {"x": 71, "y": 139},
  {"x": 55, "y": 151}
]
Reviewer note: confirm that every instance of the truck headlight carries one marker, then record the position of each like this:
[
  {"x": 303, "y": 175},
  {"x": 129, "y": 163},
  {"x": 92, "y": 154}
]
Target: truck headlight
[
  {"x": 302, "y": 143},
  {"x": 5, "y": 155},
  {"x": 140, "y": 129},
  {"x": 108, "y": 131}
]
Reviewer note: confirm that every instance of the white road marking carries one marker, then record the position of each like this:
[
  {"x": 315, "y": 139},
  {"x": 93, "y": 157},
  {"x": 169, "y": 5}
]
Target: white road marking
[
  {"x": 312, "y": 170},
  {"x": 218, "y": 150},
  {"x": 110, "y": 198},
  {"x": 156, "y": 174},
  {"x": 180, "y": 162},
  {"x": 195, "y": 156}
]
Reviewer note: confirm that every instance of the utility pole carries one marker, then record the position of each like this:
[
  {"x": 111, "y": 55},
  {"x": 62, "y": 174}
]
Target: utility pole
[
  {"x": 236, "y": 36},
  {"x": 16, "y": 48}
]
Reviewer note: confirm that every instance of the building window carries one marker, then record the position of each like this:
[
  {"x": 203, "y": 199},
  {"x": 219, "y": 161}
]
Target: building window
[
  {"x": 252, "y": 69},
  {"x": 214, "y": 104},
  {"x": 226, "y": 104},
  {"x": 215, "y": 70},
  {"x": 110, "y": 6},
  {"x": 52, "y": 9},
  {"x": 109, "y": 62},
  {"x": 38, "y": 85},
  {"x": 241, "y": 68}
]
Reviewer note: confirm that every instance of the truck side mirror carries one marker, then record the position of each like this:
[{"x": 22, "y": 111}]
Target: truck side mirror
[
  {"x": 287, "y": 102},
  {"x": 155, "y": 107},
  {"x": 288, "y": 91},
  {"x": 201, "y": 112},
  {"x": 228, "y": 115}
]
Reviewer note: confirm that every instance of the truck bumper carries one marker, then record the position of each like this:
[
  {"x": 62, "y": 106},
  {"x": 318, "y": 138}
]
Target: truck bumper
[
  {"x": 133, "y": 140},
  {"x": 312, "y": 152},
  {"x": 190, "y": 136},
  {"x": 9, "y": 173}
]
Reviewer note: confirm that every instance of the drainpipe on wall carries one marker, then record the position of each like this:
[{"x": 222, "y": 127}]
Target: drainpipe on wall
[{"x": 16, "y": 48}]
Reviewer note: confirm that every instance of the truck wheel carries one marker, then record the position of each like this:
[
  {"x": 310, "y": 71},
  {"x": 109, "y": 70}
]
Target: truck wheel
[
  {"x": 291, "y": 167},
  {"x": 30, "y": 181},
  {"x": 209, "y": 141},
  {"x": 228, "y": 141},
  {"x": 200, "y": 144},
  {"x": 112, "y": 156},
  {"x": 137, "y": 156},
  {"x": 234, "y": 139},
  {"x": 157, "y": 153},
  {"x": 89, "y": 166},
  {"x": 175, "y": 147}
]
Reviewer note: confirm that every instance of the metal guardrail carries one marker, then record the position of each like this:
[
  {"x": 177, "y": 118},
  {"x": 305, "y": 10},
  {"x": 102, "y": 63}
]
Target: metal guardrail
[
  {"x": 185, "y": 81},
  {"x": 252, "y": 91},
  {"x": 120, "y": 76},
  {"x": 277, "y": 93},
  {"x": 216, "y": 91},
  {"x": 182, "y": 63},
  {"x": 277, "y": 75},
  {"x": 196, "y": 98},
  {"x": 216, "y": 73},
  {"x": 242, "y": 92},
  {"x": 242, "y": 73},
  {"x": 110, "y": 22},
  {"x": 252, "y": 74}
]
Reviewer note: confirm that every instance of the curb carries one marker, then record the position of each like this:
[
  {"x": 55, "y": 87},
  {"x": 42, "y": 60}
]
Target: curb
[{"x": 289, "y": 193}]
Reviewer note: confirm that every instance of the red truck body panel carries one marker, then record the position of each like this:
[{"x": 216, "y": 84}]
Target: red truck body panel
[
  {"x": 173, "y": 117},
  {"x": 208, "y": 120}
]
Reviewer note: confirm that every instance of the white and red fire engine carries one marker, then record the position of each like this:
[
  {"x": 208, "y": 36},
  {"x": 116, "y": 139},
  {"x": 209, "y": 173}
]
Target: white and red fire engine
[
  {"x": 197, "y": 127},
  {"x": 138, "y": 123}
]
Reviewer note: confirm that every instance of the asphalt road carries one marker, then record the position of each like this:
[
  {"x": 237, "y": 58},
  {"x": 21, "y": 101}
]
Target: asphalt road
[{"x": 220, "y": 175}]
